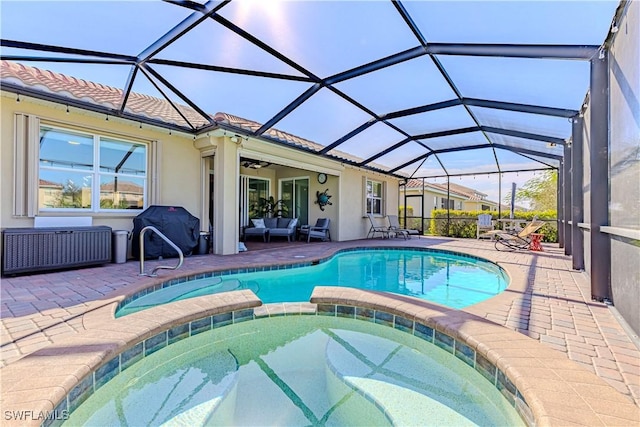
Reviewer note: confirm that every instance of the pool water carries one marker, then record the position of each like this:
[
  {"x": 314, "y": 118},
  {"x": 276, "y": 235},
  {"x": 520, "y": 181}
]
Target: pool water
[
  {"x": 445, "y": 278},
  {"x": 298, "y": 371}
]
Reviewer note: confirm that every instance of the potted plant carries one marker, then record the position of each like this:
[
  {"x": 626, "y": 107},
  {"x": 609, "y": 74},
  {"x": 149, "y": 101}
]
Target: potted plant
[{"x": 269, "y": 208}]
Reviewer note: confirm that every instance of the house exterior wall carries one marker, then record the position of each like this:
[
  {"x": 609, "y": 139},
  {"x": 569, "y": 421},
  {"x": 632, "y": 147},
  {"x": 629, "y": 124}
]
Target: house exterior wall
[
  {"x": 354, "y": 224},
  {"x": 432, "y": 200},
  {"x": 477, "y": 205},
  {"x": 176, "y": 171},
  {"x": 182, "y": 171}
]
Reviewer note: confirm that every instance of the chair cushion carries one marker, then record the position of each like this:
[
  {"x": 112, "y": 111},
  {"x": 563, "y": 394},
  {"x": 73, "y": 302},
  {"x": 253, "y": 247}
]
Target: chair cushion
[
  {"x": 255, "y": 231},
  {"x": 258, "y": 223}
]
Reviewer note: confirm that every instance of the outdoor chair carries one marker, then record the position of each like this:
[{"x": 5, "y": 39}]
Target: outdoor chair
[
  {"x": 511, "y": 241},
  {"x": 377, "y": 228},
  {"x": 485, "y": 223},
  {"x": 395, "y": 227},
  {"x": 318, "y": 231}
]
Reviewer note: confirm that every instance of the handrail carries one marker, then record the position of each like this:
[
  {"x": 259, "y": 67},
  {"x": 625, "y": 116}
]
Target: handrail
[{"x": 166, "y": 239}]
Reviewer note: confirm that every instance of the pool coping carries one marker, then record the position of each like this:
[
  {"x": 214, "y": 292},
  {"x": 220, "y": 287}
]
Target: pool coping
[{"x": 557, "y": 390}]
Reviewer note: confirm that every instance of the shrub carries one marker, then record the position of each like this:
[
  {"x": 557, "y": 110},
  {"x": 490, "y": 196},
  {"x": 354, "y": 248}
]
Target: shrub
[{"x": 463, "y": 223}]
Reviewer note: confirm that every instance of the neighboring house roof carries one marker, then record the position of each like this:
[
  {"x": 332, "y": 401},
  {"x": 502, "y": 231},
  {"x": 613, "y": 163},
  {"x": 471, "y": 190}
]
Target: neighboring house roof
[
  {"x": 123, "y": 186},
  {"x": 42, "y": 183},
  {"x": 416, "y": 184},
  {"x": 458, "y": 190},
  {"x": 145, "y": 105}
]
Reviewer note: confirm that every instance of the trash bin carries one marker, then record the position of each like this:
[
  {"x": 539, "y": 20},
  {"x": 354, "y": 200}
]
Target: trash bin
[
  {"x": 119, "y": 246},
  {"x": 203, "y": 243}
]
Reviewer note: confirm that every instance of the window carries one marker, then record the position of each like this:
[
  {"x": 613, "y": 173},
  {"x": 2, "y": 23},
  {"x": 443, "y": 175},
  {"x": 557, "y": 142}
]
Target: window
[
  {"x": 444, "y": 203},
  {"x": 374, "y": 197},
  {"x": 486, "y": 208},
  {"x": 88, "y": 172}
]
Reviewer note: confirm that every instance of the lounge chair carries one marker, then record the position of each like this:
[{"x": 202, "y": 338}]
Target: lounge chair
[
  {"x": 376, "y": 228},
  {"x": 511, "y": 241},
  {"x": 394, "y": 227},
  {"x": 318, "y": 231},
  {"x": 484, "y": 224}
]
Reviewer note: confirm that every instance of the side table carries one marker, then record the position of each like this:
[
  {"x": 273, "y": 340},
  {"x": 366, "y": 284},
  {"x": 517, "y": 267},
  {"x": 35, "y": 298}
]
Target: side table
[{"x": 536, "y": 239}]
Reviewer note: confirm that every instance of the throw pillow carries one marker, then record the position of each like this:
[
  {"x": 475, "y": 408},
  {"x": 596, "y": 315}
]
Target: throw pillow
[
  {"x": 258, "y": 222},
  {"x": 292, "y": 223}
]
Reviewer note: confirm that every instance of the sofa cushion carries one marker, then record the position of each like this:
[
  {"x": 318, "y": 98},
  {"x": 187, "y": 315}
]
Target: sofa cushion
[
  {"x": 271, "y": 222},
  {"x": 258, "y": 223},
  {"x": 283, "y": 222},
  {"x": 282, "y": 231}
]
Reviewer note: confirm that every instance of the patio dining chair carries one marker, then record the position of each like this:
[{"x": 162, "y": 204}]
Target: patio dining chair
[
  {"x": 519, "y": 240},
  {"x": 395, "y": 227},
  {"x": 484, "y": 224},
  {"x": 318, "y": 231}
]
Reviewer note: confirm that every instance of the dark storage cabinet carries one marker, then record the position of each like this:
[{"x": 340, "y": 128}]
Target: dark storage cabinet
[{"x": 27, "y": 250}]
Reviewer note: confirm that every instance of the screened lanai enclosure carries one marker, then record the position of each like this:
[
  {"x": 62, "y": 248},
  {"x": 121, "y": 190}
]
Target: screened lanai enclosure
[{"x": 477, "y": 93}]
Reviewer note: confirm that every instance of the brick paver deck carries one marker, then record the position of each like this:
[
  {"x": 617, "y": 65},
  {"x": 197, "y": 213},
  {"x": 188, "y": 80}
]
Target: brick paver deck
[{"x": 555, "y": 309}]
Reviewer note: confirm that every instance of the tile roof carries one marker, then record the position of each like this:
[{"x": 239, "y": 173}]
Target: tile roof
[
  {"x": 49, "y": 184},
  {"x": 122, "y": 186},
  {"x": 96, "y": 93},
  {"x": 145, "y": 105},
  {"x": 456, "y": 189}
]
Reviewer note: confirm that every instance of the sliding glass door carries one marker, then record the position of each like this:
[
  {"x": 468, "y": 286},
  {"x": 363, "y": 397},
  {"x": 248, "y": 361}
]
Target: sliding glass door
[
  {"x": 251, "y": 191},
  {"x": 295, "y": 194}
]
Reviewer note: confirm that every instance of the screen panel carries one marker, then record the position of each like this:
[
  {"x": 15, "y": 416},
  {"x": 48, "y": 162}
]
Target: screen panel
[
  {"x": 324, "y": 118},
  {"x": 435, "y": 121},
  {"x": 320, "y": 35}
]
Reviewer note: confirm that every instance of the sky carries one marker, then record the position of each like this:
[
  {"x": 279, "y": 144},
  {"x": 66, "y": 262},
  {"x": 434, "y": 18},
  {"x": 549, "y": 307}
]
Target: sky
[{"x": 329, "y": 37}]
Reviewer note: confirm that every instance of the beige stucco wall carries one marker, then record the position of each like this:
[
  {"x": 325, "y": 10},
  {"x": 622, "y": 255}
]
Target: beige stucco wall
[
  {"x": 179, "y": 172},
  {"x": 182, "y": 174},
  {"x": 353, "y": 221}
]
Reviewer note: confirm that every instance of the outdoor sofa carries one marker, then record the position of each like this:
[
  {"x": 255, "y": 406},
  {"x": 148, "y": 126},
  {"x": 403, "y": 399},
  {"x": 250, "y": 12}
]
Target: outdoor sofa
[{"x": 269, "y": 227}]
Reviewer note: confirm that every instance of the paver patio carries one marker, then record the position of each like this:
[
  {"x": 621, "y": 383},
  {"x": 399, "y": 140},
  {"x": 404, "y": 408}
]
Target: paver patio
[{"x": 555, "y": 308}]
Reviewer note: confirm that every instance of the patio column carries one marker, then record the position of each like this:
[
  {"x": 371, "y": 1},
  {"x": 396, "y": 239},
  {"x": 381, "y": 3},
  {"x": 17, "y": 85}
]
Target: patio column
[
  {"x": 577, "y": 196},
  {"x": 226, "y": 224},
  {"x": 599, "y": 162},
  {"x": 566, "y": 208},
  {"x": 560, "y": 204}
]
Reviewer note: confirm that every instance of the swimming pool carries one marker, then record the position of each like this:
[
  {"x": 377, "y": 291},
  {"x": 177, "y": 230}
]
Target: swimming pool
[
  {"x": 447, "y": 278},
  {"x": 300, "y": 370}
]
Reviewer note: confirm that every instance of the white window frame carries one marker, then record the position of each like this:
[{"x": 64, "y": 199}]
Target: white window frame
[
  {"x": 26, "y": 167},
  {"x": 96, "y": 173},
  {"x": 370, "y": 198}
]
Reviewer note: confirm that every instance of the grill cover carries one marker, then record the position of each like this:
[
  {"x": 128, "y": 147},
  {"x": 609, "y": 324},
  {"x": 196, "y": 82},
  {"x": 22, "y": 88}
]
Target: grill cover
[{"x": 175, "y": 222}]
